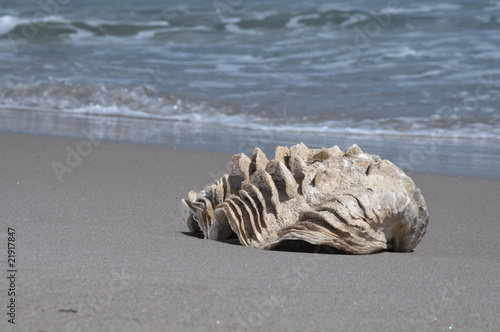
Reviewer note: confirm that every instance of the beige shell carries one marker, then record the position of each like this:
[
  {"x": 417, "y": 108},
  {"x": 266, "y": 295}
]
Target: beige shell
[{"x": 351, "y": 201}]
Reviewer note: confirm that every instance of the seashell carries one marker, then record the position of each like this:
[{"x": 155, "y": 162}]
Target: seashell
[{"x": 352, "y": 201}]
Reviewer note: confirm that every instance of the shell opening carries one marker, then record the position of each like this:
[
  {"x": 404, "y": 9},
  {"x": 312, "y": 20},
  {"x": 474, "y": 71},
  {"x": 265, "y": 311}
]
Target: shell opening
[{"x": 221, "y": 229}]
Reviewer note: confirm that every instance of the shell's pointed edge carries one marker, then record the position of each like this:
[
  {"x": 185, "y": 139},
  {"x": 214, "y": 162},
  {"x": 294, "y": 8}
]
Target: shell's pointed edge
[
  {"x": 258, "y": 160},
  {"x": 192, "y": 224},
  {"x": 353, "y": 201},
  {"x": 354, "y": 150}
]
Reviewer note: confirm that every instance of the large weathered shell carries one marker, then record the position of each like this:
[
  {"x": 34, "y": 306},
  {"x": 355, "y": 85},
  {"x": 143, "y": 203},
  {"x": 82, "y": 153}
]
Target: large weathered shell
[{"x": 351, "y": 201}]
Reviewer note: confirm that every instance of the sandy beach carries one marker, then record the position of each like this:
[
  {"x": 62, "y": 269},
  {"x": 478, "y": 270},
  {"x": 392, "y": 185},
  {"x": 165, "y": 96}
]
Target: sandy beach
[{"x": 105, "y": 248}]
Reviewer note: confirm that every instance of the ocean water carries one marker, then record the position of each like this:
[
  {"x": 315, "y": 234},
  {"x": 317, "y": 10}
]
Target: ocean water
[{"x": 417, "y": 82}]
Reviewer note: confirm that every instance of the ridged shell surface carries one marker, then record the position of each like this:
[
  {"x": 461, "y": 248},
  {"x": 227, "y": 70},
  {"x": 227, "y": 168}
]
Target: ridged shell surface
[{"x": 352, "y": 201}]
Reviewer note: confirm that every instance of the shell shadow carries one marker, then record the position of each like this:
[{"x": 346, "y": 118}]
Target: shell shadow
[
  {"x": 306, "y": 247},
  {"x": 287, "y": 245}
]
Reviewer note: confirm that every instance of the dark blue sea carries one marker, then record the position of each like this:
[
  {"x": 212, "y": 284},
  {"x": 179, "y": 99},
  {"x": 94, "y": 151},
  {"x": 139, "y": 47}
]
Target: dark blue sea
[{"x": 417, "y": 82}]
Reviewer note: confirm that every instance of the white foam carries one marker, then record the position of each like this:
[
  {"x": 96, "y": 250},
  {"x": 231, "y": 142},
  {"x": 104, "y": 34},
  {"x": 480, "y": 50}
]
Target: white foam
[
  {"x": 233, "y": 28},
  {"x": 429, "y": 73},
  {"x": 426, "y": 8},
  {"x": 354, "y": 19},
  {"x": 294, "y": 22},
  {"x": 80, "y": 34},
  {"x": 8, "y": 22},
  {"x": 156, "y": 23},
  {"x": 402, "y": 52},
  {"x": 147, "y": 34},
  {"x": 264, "y": 14},
  {"x": 136, "y": 103}
]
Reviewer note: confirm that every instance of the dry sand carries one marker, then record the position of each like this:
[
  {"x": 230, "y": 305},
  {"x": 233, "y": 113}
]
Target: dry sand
[{"x": 106, "y": 249}]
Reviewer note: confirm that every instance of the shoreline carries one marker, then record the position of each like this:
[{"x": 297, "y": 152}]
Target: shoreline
[
  {"x": 470, "y": 158},
  {"x": 107, "y": 248}
]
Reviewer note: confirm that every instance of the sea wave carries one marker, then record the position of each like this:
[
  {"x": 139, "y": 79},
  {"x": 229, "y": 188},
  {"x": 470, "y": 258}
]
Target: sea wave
[
  {"x": 239, "y": 21},
  {"x": 143, "y": 103}
]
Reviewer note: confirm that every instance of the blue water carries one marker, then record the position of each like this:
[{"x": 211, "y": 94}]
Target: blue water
[{"x": 417, "y": 82}]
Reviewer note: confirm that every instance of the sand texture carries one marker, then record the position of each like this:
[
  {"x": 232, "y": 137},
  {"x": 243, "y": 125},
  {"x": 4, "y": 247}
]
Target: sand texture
[{"x": 107, "y": 249}]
